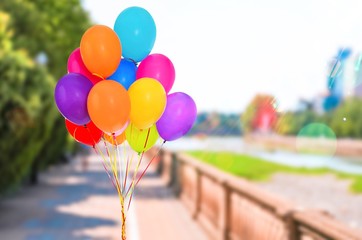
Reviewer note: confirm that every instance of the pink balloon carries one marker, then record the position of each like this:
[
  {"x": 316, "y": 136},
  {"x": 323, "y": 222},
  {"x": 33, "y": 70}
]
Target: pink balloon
[
  {"x": 159, "y": 67},
  {"x": 76, "y": 65}
]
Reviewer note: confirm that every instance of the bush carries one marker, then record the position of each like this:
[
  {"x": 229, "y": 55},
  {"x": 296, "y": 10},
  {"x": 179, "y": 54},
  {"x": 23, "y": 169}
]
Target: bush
[{"x": 27, "y": 113}]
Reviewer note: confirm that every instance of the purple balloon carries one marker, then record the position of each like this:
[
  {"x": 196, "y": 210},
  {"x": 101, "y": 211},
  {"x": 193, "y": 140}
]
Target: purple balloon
[
  {"x": 71, "y": 95},
  {"x": 178, "y": 117}
]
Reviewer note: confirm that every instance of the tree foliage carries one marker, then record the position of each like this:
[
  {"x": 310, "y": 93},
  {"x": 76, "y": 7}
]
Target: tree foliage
[
  {"x": 53, "y": 28},
  {"x": 26, "y": 115},
  {"x": 217, "y": 124},
  {"x": 290, "y": 123},
  {"x": 32, "y": 130},
  {"x": 345, "y": 120}
]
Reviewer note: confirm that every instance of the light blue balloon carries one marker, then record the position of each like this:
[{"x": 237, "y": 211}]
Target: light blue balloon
[
  {"x": 136, "y": 29},
  {"x": 125, "y": 73}
]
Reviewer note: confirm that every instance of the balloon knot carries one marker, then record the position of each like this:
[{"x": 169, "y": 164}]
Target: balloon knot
[{"x": 134, "y": 62}]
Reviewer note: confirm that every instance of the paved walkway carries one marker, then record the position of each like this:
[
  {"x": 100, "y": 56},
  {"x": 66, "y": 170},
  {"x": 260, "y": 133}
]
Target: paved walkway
[{"x": 71, "y": 202}]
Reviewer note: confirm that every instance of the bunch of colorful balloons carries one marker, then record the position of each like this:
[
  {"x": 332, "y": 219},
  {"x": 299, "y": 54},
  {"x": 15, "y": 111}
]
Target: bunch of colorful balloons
[{"x": 116, "y": 90}]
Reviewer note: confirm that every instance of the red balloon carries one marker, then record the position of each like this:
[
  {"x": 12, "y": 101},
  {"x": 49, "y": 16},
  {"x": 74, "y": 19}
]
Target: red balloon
[{"x": 87, "y": 134}]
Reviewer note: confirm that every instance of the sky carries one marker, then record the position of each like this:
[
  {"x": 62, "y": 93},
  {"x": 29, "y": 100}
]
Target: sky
[{"x": 227, "y": 51}]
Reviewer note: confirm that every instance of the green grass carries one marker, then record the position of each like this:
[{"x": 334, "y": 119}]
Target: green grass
[{"x": 256, "y": 169}]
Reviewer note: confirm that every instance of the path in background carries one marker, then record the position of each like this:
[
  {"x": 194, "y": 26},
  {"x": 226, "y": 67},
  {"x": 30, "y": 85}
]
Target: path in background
[
  {"x": 71, "y": 202},
  {"x": 161, "y": 215},
  {"x": 323, "y": 192}
]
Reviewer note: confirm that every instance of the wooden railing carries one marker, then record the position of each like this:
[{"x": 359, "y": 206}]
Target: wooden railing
[{"x": 228, "y": 207}]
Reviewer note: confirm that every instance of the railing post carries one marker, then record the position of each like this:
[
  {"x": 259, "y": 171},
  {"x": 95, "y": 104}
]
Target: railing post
[
  {"x": 175, "y": 181},
  {"x": 160, "y": 164},
  {"x": 281, "y": 219},
  {"x": 224, "y": 218},
  {"x": 291, "y": 225},
  {"x": 197, "y": 205}
]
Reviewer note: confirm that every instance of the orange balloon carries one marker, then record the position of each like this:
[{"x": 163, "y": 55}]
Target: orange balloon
[
  {"x": 119, "y": 139},
  {"x": 101, "y": 50},
  {"x": 109, "y": 106}
]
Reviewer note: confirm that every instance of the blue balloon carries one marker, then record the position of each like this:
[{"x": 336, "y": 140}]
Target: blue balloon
[
  {"x": 136, "y": 29},
  {"x": 125, "y": 73}
]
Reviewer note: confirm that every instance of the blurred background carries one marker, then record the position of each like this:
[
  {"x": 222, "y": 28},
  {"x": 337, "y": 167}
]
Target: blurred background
[{"x": 278, "y": 86}]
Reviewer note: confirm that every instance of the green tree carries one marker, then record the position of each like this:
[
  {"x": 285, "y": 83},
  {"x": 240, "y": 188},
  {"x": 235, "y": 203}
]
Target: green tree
[
  {"x": 286, "y": 124},
  {"x": 346, "y": 120},
  {"x": 290, "y": 123},
  {"x": 32, "y": 130},
  {"x": 26, "y": 115},
  {"x": 53, "y": 28}
]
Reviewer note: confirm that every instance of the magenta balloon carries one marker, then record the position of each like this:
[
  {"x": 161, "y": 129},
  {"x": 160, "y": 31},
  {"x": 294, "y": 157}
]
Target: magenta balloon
[
  {"x": 178, "y": 117},
  {"x": 71, "y": 93},
  {"x": 159, "y": 67},
  {"x": 76, "y": 65}
]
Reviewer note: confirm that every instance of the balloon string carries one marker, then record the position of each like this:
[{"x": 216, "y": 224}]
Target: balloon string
[
  {"x": 106, "y": 169},
  {"x": 121, "y": 200},
  {"x": 112, "y": 165},
  {"x": 114, "y": 171},
  {"x": 113, "y": 161},
  {"x": 100, "y": 152},
  {"x": 115, "y": 183},
  {"x": 130, "y": 164},
  {"x": 144, "y": 171},
  {"x": 116, "y": 162},
  {"x": 127, "y": 168},
  {"x": 126, "y": 175},
  {"x": 118, "y": 158},
  {"x": 135, "y": 174},
  {"x": 132, "y": 186},
  {"x": 131, "y": 190},
  {"x": 136, "y": 169},
  {"x": 143, "y": 152},
  {"x": 105, "y": 145},
  {"x": 123, "y": 220},
  {"x": 148, "y": 134},
  {"x": 102, "y": 155},
  {"x": 130, "y": 200},
  {"x": 110, "y": 158},
  {"x": 154, "y": 156}
]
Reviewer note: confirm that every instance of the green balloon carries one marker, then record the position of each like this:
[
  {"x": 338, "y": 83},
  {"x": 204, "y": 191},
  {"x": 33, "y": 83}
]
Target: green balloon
[{"x": 141, "y": 140}]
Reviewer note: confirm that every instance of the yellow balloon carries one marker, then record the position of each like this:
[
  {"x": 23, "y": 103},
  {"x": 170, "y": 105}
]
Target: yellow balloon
[
  {"x": 148, "y": 102},
  {"x": 141, "y": 140}
]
